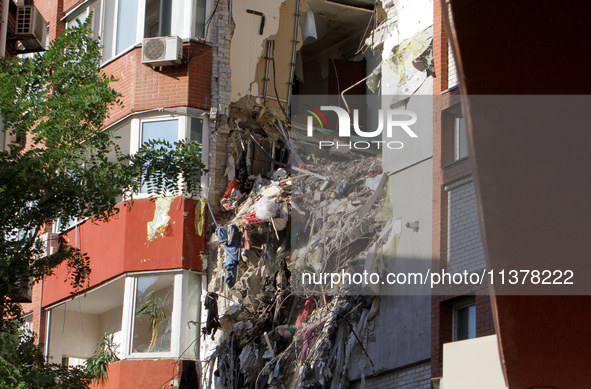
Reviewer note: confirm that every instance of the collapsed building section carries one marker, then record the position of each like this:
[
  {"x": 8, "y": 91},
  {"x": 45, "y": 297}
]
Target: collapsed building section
[{"x": 289, "y": 215}]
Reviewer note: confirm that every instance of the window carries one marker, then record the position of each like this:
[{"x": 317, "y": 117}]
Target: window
[
  {"x": 76, "y": 326},
  {"x": 460, "y": 137},
  {"x": 452, "y": 75},
  {"x": 170, "y": 128},
  {"x": 163, "y": 130},
  {"x": 464, "y": 321},
  {"x": 27, "y": 325},
  {"x": 164, "y": 18},
  {"x": 121, "y": 24},
  {"x": 94, "y": 9},
  {"x": 151, "y": 315},
  {"x": 454, "y": 135},
  {"x": 200, "y": 18}
]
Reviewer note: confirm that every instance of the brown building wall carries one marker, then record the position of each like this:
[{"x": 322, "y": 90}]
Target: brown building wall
[{"x": 445, "y": 172}]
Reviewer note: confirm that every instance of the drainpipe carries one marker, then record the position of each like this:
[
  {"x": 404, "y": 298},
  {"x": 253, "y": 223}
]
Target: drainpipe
[
  {"x": 293, "y": 55},
  {"x": 4, "y": 27}
]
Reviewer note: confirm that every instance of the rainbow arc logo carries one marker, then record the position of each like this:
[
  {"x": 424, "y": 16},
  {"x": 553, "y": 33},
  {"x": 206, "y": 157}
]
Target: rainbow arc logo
[{"x": 317, "y": 114}]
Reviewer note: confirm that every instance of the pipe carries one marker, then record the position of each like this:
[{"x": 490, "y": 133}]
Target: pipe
[
  {"x": 293, "y": 56},
  {"x": 267, "y": 59},
  {"x": 4, "y": 28}
]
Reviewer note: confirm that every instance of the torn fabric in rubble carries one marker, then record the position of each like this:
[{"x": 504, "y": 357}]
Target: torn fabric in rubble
[
  {"x": 232, "y": 247},
  {"x": 213, "y": 323}
]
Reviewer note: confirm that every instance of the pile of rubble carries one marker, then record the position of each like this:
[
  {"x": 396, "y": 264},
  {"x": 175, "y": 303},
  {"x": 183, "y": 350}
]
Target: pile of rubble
[{"x": 277, "y": 332}]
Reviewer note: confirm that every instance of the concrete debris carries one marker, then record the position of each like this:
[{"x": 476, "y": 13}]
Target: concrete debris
[{"x": 277, "y": 332}]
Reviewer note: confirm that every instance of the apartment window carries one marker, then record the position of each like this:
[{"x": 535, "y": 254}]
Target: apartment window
[
  {"x": 151, "y": 314},
  {"x": 464, "y": 321},
  {"x": 76, "y": 326},
  {"x": 170, "y": 128},
  {"x": 164, "y": 18},
  {"x": 460, "y": 137},
  {"x": 27, "y": 325},
  {"x": 94, "y": 9},
  {"x": 452, "y": 74},
  {"x": 121, "y": 24},
  {"x": 162, "y": 130},
  {"x": 200, "y": 9},
  {"x": 454, "y": 135},
  {"x": 114, "y": 21}
]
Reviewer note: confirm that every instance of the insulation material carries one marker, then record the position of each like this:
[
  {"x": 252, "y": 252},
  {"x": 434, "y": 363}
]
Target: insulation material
[
  {"x": 308, "y": 25},
  {"x": 265, "y": 209},
  {"x": 409, "y": 62},
  {"x": 231, "y": 168},
  {"x": 157, "y": 227},
  {"x": 200, "y": 215}
]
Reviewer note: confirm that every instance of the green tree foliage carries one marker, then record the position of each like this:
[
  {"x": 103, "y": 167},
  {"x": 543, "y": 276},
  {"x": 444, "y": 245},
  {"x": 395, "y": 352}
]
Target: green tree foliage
[
  {"x": 65, "y": 166},
  {"x": 22, "y": 365}
]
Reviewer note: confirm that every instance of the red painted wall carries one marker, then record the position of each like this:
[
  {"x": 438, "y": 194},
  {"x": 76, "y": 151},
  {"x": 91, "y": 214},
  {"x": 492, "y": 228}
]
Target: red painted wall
[
  {"x": 145, "y": 373},
  {"x": 121, "y": 246}
]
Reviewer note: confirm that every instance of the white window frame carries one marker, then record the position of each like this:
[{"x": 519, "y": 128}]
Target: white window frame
[
  {"x": 184, "y": 133},
  {"x": 183, "y": 126},
  {"x": 175, "y": 323},
  {"x": 181, "y": 289},
  {"x": 186, "y": 32},
  {"x": 457, "y": 137}
]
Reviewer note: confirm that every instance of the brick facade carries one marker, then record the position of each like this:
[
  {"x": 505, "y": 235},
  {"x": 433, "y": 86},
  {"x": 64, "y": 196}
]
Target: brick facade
[
  {"x": 465, "y": 251},
  {"x": 144, "y": 88},
  {"x": 411, "y": 377},
  {"x": 456, "y": 238},
  {"x": 220, "y": 34}
]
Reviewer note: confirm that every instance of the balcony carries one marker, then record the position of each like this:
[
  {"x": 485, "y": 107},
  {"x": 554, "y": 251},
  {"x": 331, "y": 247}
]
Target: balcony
[{"x": 139, "y": 239}]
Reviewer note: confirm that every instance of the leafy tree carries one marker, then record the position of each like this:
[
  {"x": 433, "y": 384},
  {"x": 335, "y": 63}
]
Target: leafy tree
[
  {"x": 65, "y": 165},
  {"x": 22, "y": 364}
]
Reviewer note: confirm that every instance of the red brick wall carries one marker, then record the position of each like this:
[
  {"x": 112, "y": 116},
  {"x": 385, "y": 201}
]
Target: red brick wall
[
  {"x": 144, "y": 88},
  {"x": 445, "y": 172},
  {"x": 10, "y": 44},
  {"x": 71, "y": 4},
  {"x": 439, "y": 49},
  {"x": 38, "y": 314},
  {"x": 53, "y": 12}
]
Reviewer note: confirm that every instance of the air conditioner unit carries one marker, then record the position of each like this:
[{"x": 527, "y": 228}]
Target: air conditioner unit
[
  {"x": 51, "y": 243},
  {"x": 31, "y": 28},
  {"x": 162, "y": 51}
]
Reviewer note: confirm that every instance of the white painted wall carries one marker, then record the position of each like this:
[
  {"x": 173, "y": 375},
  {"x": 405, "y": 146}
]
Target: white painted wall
[
  {"x": 76, "y": 335},
  {"x": 247, "y": 45},
  {"x": 473, "y": 363}
]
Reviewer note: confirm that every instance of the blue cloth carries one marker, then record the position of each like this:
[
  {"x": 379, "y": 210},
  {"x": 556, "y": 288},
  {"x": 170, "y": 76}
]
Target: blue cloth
[{"x": 232, "y": 247}]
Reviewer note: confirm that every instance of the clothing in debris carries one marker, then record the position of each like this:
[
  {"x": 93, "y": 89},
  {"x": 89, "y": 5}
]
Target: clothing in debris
[
  {"x": 213, "y": 322},
  {"x": 306, "y": 311},
  {"x": 189, "y": 378},
  {"x": 232, "y": 247},
  {"x": 247, "y": 238},
  {"x": 231, "y": 186},
  {"x": 241, "y": 172}
]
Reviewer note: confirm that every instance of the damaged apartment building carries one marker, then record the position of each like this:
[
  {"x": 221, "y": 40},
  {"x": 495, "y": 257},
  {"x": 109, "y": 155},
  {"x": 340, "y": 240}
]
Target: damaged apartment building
[{"x": 226, "y": 271}]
